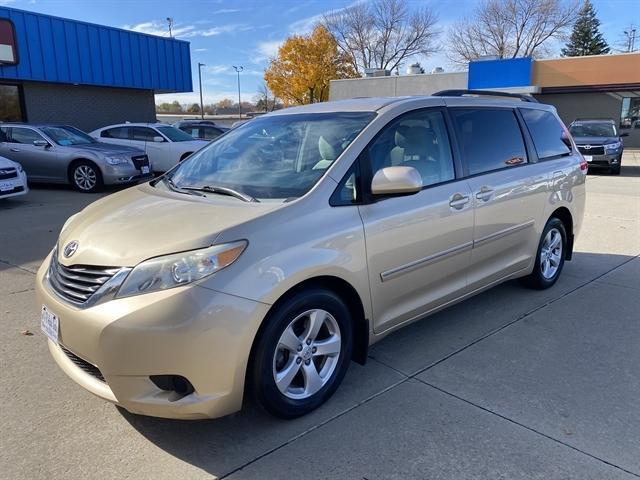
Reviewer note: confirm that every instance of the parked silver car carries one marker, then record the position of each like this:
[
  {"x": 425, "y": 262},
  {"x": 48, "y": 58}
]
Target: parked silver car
[{"x": 64, "y": 154}]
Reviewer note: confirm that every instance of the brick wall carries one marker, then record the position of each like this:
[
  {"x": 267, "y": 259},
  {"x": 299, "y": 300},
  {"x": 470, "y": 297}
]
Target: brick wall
[{"x": 87, "y": 107}]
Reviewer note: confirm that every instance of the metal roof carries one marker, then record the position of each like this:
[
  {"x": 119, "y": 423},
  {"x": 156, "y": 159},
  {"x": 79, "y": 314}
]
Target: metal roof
[{"x": 57, "y": 50}]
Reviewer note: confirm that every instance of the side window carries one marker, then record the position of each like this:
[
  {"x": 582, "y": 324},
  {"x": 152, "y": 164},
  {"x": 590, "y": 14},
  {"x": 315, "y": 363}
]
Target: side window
[
  {"x": 490, "y": 139},
  {"x": 4, "y": 134},
  {"x": 549, "y": 136},
  {"x": 209, "y": 133},
  {"x": 348, "y": 191},
  {"x": 419, "y": 140},
  {"x": 121, "y": 133},
  {"x": 144, "y": 134},
  {"x": 24, "y": 135}
]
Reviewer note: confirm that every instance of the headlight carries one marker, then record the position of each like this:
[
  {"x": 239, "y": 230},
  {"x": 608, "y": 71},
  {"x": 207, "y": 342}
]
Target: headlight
[
  {"x": 178, "y": 269},
  {"x": 115, "y": 160},
  {"x": 19, "y": 167},
  {"x": 613, "y": 146}
]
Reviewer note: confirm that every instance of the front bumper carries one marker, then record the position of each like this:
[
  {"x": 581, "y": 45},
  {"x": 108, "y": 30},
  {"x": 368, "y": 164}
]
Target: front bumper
[
  {"x": 19, "y": 186},
  {"x": 607, "y": 160},
  {"x": 124, "y": 173},
  {"x": 200, "y": 334}
]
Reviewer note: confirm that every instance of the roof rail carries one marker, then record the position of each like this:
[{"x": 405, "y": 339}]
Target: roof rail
[
  {"x": 599, "y": 119},
  {"x": 488, "y": 93}
]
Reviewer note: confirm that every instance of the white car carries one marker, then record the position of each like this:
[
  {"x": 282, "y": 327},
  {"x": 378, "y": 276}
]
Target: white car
[
  {"x": 13, "y": 180},
  {"x": 164, "y": 144}
]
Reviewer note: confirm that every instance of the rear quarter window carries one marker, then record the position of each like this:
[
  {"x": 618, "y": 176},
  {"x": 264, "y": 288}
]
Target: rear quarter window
[{"x": 549, "y": 135}]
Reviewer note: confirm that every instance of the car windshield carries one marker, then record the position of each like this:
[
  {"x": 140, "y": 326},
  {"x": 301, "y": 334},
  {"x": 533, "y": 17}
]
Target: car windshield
[
  {"x": 175, "y": 135},
  {"x": 593, "y": 130},
  {"x": 272, "y": 157},
  {"x": 67, "y": 136}
]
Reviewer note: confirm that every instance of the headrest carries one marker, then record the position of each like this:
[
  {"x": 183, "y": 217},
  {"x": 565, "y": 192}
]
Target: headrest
[{"x": 329, "y": 147}]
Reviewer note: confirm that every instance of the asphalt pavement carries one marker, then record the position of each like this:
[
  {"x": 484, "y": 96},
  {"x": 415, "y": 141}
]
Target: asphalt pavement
[{"x": 513, "y": 383}]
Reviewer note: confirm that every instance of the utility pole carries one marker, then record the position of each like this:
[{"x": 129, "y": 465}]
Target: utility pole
[
  {"x": 238, "y": 70},
  {"x": 200, "y": 65},
  {"x": 631, "y": 39},
  {"x": 170, "y": 22}
]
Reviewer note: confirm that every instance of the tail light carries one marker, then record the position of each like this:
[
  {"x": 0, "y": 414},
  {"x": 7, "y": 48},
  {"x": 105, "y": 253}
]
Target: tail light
[{"x": 584, "y": 166}]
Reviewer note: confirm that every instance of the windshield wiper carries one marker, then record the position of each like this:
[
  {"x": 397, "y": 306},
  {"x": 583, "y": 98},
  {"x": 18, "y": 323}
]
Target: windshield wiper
[
  {"x": 223, "y": 191},
  {"x": 177, "y": 189}
]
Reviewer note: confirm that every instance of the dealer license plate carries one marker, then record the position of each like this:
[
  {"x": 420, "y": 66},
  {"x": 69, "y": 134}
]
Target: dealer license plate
[
  {"x": 49, "y": 324},
  {"x": 588, "y": 158},
  {"x": 6, "y": 186},
  {"x": 145, "y": 169}
]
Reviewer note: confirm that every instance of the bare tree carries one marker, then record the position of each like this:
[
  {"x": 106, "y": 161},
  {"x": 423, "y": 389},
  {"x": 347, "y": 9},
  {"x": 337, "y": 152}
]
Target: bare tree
[
  {"x": 510, "y": 29},
  {"x": 383, "y": 33}
]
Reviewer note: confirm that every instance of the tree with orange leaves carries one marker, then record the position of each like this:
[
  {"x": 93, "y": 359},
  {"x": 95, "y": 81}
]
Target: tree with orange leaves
[{"x": 301, "y": 71}]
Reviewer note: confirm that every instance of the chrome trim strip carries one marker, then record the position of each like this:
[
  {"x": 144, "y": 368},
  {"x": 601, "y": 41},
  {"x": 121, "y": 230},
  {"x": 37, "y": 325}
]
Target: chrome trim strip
[
  {"x": 436, "y": 257},
  {"x": 503, "y": 233}
]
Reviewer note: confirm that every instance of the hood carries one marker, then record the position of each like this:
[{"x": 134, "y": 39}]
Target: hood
[
  {"x": 130, "y": 226},
  {"x": 108, "y": 148},
  {"x": 6, "y": 163},
  {"x": 594, "y": 140}
]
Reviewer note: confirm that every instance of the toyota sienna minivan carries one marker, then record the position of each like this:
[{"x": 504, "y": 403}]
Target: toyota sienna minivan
[{"x": 270, "y": 259}]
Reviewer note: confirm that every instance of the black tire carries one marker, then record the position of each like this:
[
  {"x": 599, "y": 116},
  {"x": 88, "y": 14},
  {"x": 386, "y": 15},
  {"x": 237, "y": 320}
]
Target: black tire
[
  {"x": 538, "y": 279},
  {"x": 271, "y": 357},
  {"x": 615, "y": 170},
  {"x": 85, "y": 176}
]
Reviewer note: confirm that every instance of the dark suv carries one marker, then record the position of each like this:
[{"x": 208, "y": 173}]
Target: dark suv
[{"x": 599, "y": 142}]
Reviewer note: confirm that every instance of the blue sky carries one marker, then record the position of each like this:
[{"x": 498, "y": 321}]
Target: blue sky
[{"x": 246, "y": 32}]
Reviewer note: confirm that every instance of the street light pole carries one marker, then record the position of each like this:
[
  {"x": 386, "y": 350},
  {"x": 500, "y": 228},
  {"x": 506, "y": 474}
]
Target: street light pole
[
  {"x": 170, "y": 22},
  {"x": 238, "y": 70},
  {"x": 200, "y": 65},
  {"x": 631, "y": 39}
]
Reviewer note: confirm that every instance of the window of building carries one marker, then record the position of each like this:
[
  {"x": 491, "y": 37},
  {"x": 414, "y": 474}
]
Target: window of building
[
  {"x": 419, "y": 140},
  {"x": 490, "y": 138},
  {"x": 10, "y": 104},
  {"x": 8, "y": 50},
  {"x": 630, "y": 114},
  {"x": 548, "y": 133}
]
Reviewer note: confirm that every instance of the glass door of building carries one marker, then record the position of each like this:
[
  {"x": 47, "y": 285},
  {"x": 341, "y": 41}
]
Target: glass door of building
[{"x": 11, "y": 103}]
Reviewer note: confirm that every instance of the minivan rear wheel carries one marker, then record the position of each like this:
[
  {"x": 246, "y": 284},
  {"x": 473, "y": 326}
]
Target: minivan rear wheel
[
  {"x": 550, "y": 256},
  {"x": 302, "y": 354}
]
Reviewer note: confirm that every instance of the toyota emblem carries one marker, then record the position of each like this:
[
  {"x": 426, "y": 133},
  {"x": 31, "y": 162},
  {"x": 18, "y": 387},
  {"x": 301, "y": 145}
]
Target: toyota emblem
[{"x": 70, "y": 249}]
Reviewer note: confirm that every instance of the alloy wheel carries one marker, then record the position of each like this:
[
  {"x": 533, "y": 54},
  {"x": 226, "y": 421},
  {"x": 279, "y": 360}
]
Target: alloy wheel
[
  {"x": 551, "y": 253},
  {"x": 85, "y": 177},
  {"x": 307, "y": 354}
]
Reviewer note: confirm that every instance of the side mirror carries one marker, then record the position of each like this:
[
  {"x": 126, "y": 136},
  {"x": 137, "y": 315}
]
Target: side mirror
[
  {"x": 41, "y": 143},
  {"x": 396, "y": 181},
  {"x": 624, "y": 134},
  {"x": 158, "y": 139}
]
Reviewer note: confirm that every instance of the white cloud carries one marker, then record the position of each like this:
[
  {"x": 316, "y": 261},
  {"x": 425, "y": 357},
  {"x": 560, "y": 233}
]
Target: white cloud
[
  {"x": 227, "y": 10},
  {"x": 200, "y": 49},
  {"x": 305, "y": 25},
  {"x": 6, "y": 2},
  {"x": 266, "y": 50},
  {"x": 224, "y": 69},
  {"x": 183, "y": 31}
]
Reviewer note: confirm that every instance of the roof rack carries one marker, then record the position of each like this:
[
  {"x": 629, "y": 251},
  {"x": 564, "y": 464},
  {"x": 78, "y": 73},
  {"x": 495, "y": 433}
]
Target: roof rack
[
  {"x": 488, "y": 93},
  {"x": 598, "y": 119}
]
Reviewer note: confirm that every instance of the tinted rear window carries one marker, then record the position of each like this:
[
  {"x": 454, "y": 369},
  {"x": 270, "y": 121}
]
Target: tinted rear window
[
  {"x": 118, "y": 132},
  {"x": 490, "y": 138},
  {"x": 547, "y": 132}
]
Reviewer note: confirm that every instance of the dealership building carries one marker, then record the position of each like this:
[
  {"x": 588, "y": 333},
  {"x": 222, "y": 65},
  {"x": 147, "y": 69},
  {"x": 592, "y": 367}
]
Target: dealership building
[
  {"x": 601, "y": 86},
  {"x": 57, "y": 70}
]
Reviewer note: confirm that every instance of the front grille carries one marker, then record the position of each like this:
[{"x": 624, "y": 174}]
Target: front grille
[
  {"x": 6, "y": 173},
  {"x": 591, "y": 151},
  {"x": 78, "y": 282},
  {"x": 14, "y": 190},
  {"x": 83, "y": 364},
  {"x": 140, "y": 161}
]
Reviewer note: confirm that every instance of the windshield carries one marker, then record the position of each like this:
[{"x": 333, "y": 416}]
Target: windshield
[
  {"x": 175, "y": 135},
  {"x": 66, "y": 136},
  {"x": 273, "y": 157},
  {"x": 593, "y": 130}
]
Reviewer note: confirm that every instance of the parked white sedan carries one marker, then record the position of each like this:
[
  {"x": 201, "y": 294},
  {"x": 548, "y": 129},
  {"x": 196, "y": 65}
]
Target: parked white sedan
[
  {"x": 13, "y": 180},
  {"x": 165, "y": 145}
]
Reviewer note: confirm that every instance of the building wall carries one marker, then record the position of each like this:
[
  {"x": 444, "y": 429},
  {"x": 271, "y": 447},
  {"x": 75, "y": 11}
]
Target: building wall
[
  {"x": 622, "y": 69},
  {"x": 87, "y": 107},
  {"x": 396, "y": 85}
]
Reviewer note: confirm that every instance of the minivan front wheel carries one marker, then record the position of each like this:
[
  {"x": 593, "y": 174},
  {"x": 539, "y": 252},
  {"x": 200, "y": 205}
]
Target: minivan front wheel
[
  {"x": 303, "y": 353},
  {"x": 550, "y": 256}
]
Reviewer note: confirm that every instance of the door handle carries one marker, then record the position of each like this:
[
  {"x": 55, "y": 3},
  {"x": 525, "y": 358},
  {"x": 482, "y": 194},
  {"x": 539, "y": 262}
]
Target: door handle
[
  {"x": 14, "y": 149},
  {"x": 485, "y": 193},
  {"x": 458, "y": 201}
]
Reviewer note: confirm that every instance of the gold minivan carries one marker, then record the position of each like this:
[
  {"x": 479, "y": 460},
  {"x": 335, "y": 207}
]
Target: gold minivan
[{"x": 274, "y": 256}]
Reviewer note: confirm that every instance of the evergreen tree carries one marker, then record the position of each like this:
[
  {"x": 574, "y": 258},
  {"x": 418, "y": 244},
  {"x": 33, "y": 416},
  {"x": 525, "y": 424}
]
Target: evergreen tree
[{"x": 586, "y": 38}]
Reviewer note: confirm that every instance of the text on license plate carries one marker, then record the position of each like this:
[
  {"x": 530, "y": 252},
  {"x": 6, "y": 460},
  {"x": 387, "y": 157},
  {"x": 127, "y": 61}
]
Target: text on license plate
[
  {"x": 49, "y": 324},
  {"x": 145, "y": 169},
  {"x": 5, "y": 186}
]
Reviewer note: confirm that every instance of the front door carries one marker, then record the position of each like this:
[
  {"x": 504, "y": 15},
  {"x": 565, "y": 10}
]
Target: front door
[
  {"x": 509, "y": 192},
  {"x": 418, "y": 246},
  {"x": 40, "y": 162}
]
